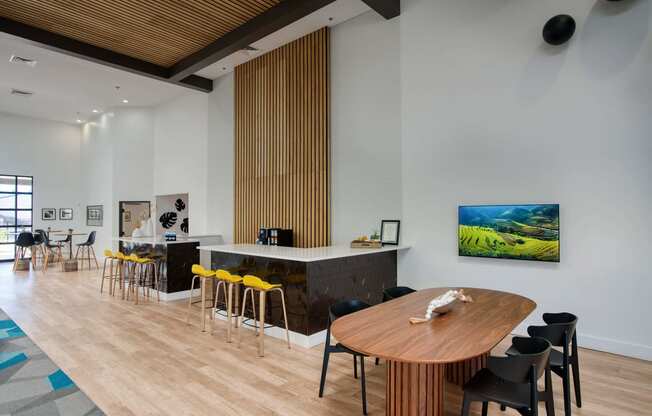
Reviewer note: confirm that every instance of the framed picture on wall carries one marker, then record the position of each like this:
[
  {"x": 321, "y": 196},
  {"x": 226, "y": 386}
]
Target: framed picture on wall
[
  {"x": 94, "y": 215},
  {"x": 65, "y": 214},
  {"x": 389, "y": 231},
  {"x": 48, "y": 214}
]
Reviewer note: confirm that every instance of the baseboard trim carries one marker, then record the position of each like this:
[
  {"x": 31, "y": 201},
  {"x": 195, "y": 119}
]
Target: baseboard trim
[{"x": 611, "y": 346}]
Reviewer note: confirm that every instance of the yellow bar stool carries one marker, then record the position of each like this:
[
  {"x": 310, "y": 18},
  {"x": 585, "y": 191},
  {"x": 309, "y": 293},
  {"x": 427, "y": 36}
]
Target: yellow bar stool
[
  {"x": 146, "y": 276},
  {"x": 129, "y": 282},
  {"x": 256, "y": 284},
  {"x": 109, "y": 259},
  {"x": 119, "y": 271},
  {"x": 203, "y": 275},
  {"x": 228, "y": 282}
]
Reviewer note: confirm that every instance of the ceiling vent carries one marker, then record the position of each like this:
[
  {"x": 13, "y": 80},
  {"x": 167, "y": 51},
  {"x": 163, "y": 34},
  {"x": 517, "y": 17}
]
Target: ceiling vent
[
  {"x": 21, "y": 93},
  {"x": 15, "y": 59}
]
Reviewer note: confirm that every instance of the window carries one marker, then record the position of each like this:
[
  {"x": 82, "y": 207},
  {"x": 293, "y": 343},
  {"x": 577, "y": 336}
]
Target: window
[{"x": 15, "y": 211}]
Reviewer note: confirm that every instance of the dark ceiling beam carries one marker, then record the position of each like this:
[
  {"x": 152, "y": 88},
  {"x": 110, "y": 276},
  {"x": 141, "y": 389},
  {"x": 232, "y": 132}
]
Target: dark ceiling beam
[
  {"x": 279, "y": 16},
  {"x": 99, "y": 55},
  {"x": 389, "y": 9}
]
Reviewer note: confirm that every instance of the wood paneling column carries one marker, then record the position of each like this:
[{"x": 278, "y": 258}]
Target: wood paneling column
[{"x": 282, "y": 143}]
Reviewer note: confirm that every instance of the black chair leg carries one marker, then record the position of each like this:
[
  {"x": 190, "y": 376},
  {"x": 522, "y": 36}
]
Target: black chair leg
[
  {"x": 466, "y": 404},
  {"x": 485, "y": 408},
  {"x": 503, "y": 407},
  {"x": 355, "y": 367},
  {"x": 364, "y": 387},
  {"x": 550, "y": 400},
  {"x": 566, "y": 384},
  {"x": 324, "y": 369},
  {"x": 576, "y": 380},
  {"x": 377, "y": 360}
]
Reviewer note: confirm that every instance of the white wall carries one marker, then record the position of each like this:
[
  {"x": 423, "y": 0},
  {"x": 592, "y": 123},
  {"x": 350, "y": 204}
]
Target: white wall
[
  {"x": 50, "y": 152},
  {"x": 491, "y": 115},
  {"x": 180, "y": 153},
  {"x": 365, "y": 126},
  {"x": 220, "y": 158},
  {"x": 118, "y": 164}
]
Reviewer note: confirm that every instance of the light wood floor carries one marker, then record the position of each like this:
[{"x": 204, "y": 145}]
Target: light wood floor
[{"x": 145, "y": 360}]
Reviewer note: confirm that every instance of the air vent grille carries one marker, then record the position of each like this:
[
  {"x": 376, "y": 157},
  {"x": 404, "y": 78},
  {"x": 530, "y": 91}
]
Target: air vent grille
[
  {"x": 15, "y": 59},
  {"x": 21, "y": 93}
]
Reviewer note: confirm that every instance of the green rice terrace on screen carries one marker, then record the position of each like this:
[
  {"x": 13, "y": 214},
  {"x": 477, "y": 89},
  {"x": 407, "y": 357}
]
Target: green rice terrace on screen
[{"x": 523, "y": 232}]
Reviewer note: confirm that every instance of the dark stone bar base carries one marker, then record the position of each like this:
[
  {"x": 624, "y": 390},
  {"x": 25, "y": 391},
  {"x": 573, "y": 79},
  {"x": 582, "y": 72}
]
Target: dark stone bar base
[
  {"x": 311, "y": 287},
  {"x": 174, "y": 261}
]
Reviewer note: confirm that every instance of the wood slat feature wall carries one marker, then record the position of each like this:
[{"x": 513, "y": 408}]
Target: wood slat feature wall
[
  {"x": 156, "y": 31},
  {"x": 282, "y": 129}
]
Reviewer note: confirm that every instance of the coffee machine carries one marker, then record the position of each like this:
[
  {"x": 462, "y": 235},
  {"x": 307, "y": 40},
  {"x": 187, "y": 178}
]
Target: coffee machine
[{"x": 275, "y": 237}]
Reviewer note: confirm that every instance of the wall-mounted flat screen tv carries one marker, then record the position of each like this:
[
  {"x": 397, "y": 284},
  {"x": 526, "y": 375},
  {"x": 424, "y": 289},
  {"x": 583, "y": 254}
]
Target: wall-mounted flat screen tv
[{"x": 522, "y": 232}]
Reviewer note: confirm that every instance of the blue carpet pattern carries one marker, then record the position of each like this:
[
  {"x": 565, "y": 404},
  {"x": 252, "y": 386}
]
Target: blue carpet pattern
[{"x": 31, "y": 384}]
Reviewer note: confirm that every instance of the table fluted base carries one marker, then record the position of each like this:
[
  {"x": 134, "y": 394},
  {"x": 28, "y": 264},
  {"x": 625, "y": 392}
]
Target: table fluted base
[
  {"x": 462, "y": 371},
  {"x": 414, "y": 389}
]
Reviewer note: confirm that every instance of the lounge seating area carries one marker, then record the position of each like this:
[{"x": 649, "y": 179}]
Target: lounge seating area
[{"x": 325, "y": 208}]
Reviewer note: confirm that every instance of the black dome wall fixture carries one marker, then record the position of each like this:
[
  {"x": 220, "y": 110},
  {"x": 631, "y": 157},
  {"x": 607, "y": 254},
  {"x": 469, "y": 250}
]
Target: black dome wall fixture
[{"x": 559, "y": 29}]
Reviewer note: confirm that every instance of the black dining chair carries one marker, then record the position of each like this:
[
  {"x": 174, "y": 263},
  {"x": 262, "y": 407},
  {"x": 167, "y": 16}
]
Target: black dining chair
[
  {"x": 39, "y": 242},
  {"x": 560, "y": 332},
  {"x": 87, "y": 251},
  {"x": 396, "y": 292},
  {"x": 52, "y": 248},
  {"x": 24, "y": 241},
  {"x": 339, "y": 310},
  {"x": 511, "y": 381},
  {"x": 393, "y": 293}
]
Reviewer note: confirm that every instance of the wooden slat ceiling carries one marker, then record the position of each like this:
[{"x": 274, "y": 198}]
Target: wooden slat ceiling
[{"x": 158, "y": 31}]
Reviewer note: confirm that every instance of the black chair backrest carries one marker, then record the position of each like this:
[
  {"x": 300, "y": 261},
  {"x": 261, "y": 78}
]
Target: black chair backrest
[
  {"x": 558, "y": 325},
  {"x": 345, "y": 307},
  {"x": 396, "y": 292},
  {"x": 91, "y": 238},
  {"x": 25, "y": 240},
  {"x": 38, "y": 237},
  {"x": 517, "y": 368},
  {"x": 45, "y": 236}
]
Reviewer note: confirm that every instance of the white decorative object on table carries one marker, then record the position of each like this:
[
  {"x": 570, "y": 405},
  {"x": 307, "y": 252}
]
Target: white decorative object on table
[{"x": 442, "y": 304}]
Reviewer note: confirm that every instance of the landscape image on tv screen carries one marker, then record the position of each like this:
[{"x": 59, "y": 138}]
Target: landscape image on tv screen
[{"x": 522, "y": 232}]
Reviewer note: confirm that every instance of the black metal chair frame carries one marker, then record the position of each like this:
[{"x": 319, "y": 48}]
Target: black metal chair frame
[
  {"x": 339, "y": 348},
  {"x": 522, "y": 369}
]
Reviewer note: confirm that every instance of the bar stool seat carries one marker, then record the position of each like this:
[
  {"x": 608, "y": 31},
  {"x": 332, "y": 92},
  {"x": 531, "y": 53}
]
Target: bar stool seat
[{"x": 256, "y": 284}]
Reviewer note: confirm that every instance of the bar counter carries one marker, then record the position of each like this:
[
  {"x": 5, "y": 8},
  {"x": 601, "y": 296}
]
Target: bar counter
[{"x": 312, "y": 278}]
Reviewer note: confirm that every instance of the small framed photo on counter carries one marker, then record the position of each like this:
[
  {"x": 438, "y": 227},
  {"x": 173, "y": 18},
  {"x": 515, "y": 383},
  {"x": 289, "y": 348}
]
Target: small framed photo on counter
[{"x": 389, "y": 231}]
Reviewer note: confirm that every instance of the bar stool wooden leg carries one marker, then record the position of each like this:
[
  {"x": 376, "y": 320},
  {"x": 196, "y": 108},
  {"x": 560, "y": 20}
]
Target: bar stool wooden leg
[
  {"x": 244, "y": 305},
  {"x": 156, "y": 282},
  {"x": 192, "y": 289},
  {"x": 285, "y": 316},
  {"x": 253, "y": 309},
  {"x": 137, "y": 271},
  {"x": 261, "y": 333},
  {"x": 229, "y": 305},
  {"x": 203, "y": 303}
]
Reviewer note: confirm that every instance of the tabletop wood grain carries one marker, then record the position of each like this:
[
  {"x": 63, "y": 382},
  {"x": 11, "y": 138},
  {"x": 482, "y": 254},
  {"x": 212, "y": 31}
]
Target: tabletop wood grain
[{"x": 467, "y": 331}]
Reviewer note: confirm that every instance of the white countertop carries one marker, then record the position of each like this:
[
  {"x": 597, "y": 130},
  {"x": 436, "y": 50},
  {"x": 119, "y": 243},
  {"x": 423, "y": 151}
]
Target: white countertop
[
  {"x": 160, "y": 240},
  {"x": 299, "y": 254}
]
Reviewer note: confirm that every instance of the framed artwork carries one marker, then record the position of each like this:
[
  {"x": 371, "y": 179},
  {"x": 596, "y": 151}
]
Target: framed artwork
[
  {"x": 48, "y": 214},
  {"x": 389, "y": 231},
  {"x": 94, "y": 215},
  {"x": 520, "y": 232},
  {"x": 65, "y": 214}
]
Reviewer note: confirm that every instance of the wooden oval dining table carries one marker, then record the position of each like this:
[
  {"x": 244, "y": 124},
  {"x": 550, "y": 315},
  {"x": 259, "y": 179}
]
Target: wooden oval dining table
[{"x": 421, "y": 358}]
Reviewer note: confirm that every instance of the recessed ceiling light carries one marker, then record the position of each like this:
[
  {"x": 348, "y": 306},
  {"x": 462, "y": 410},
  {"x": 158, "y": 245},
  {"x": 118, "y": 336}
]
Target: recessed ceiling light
[
  {"x": 15, "y": 59},
  {"x": 125, "y": 101},
  {"x": 80, "y": 121},
  {"x": 96, "y": 110}
]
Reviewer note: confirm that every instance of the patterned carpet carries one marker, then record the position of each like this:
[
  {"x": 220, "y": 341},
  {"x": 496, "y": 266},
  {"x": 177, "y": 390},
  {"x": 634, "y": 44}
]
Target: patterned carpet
[{"x": 30, "y": 383}]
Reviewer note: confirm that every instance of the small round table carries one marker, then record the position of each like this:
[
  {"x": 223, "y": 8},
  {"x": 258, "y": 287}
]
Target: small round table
[
  {"x": 421, "y": 357},
  {"x": 69, "y": 265}
]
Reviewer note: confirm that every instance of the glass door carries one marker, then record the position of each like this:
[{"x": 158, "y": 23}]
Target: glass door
[{"x": 15, "y": 211}]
